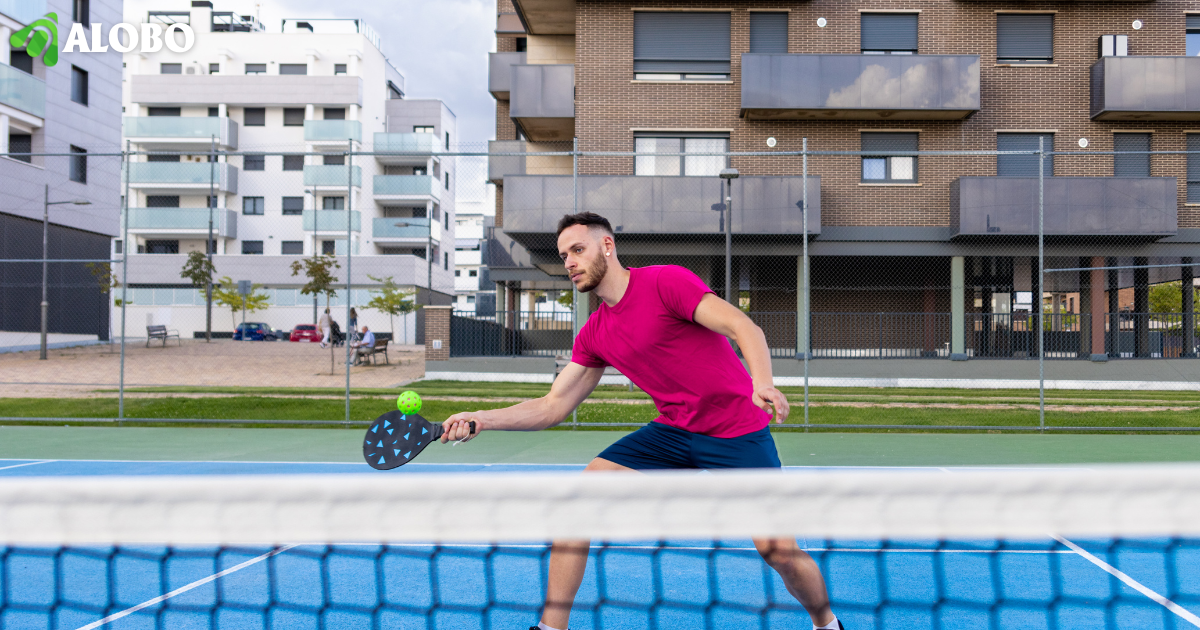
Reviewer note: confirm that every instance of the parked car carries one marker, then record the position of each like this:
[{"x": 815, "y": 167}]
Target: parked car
[
  {"x": 255, "y": 331},
  {"x": 305, "y": 332}
]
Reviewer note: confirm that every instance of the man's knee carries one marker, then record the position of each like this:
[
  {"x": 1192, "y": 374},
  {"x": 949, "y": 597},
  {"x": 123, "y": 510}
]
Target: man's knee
[{"x": 603, "y": 465}]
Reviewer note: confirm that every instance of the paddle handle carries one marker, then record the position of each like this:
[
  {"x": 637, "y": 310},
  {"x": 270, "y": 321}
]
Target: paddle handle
[{"x": 437, "y": 433}]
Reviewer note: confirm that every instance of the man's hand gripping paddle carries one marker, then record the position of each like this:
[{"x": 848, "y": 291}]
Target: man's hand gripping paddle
[{"x": 394, "y": 439}]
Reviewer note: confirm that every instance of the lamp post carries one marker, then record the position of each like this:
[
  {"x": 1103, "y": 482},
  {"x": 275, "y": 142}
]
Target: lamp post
[
  {"x": 46, "y": 203},
  {"x": 729, "y": 174}
]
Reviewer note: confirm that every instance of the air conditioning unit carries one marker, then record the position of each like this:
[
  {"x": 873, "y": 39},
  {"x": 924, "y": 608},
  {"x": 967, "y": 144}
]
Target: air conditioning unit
[{"x": 1114, "y": 45}]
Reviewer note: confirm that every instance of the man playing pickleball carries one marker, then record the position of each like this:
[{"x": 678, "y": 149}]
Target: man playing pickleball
[{"x": 665, "y": 330}]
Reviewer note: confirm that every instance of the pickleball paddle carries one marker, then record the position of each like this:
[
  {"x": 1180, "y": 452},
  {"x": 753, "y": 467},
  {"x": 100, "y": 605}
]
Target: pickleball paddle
[{"x": 394, "y": 439}]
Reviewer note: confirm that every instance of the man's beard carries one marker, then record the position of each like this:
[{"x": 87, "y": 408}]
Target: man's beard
[{"x": 595, "y": 273}]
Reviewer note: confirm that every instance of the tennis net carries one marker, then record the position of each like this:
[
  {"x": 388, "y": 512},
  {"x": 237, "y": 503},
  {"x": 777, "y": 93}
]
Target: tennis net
[{"x": 1112, "y": 547}]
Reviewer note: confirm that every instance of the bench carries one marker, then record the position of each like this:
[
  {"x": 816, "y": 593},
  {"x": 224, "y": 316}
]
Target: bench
[
  {"x": 379, "y": 348},
  {"x": 561, "y": 362},
  {"x": 161, "y": 332}
]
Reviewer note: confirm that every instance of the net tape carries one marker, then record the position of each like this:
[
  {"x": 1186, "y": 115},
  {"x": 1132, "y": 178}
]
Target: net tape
[{"x": 1117, "y": 501}]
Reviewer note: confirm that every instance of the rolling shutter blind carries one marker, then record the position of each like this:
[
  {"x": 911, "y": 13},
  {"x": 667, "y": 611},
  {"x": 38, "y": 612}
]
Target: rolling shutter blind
[
  {"x": 1193, "y": 168},
  {"x": 1025, "y": 37},
  {"x": 1023, "y": 165},
  {"x": 681, "y": 42},
  {"x": 889, "y": 143},
  {"x": 1193, "y": 21},
  {"x": 889, "y": 31},
  {"x": 1131, "y": 165},
  {"x": 768, "y": 32}
]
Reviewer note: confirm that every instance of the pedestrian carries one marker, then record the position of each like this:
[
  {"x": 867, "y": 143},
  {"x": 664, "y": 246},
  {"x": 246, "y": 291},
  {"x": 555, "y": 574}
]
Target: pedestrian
[
  {"x": 325, "y": 324},
  {"x": 353, "y": 327}
]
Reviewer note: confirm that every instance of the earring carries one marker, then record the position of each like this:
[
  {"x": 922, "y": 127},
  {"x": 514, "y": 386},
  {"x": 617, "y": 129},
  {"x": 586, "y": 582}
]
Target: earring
[{"x": 608, "y": 253}]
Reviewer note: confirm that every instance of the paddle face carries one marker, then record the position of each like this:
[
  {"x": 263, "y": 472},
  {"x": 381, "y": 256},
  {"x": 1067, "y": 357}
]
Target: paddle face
[{"x": 394, "y": 439}]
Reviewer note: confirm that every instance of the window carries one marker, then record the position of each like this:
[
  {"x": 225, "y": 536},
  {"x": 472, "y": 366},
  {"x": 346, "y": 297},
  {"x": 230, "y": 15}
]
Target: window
[
  {"x": 254, "y": 162},
  {"x": 81, "y": 12},
  {"x": 293, "y": 117},
  {"x": 1131, "y": 165},
  {"x": 1193, "y": 35},
  {"x": 333, "y": 203},
  {"x": 214, "y": 201},
  {"x": 339, "y": 68},
  {"x": 254, "y": 116},
  {"x": 328, "y": 248},
  {"x": 252, "y": 205},
  {"x": 1025, "y": 38},
  {"x": 423, "y": 129},
  {"x": 522, "y": 44},
  {"x": 214, "y": 112},
  {"x": 163, "y": 157},
  {"x": 888, "y": 33},
  {"x": 163, "y": 111},
  {"x": 162, "y": 247},
  {"x": 21, "y": 60},
  {"x": 256, "y": 68},
  {"x": 474, "y": 273},
  {"x": 420, "y": 170},
  {"x": 252, "y": 247},
  {"x": 447, "y": 143},
  {"x": 673, "y": 46},
  {"x": 293, "y": 248},
  {"x": 214, "y": 68},
  {"x": 78, "y": 166},
  {"x": 170, "y": 68},
  {"x": 457, "y": 273},
  {"x": 446, "y": 261},
  {"x": 118, "y": 246},
  {"x": 20, "y": 145},
  {"x": 333, "y": 160},
  {"x": 79, "y": 85},
  {"x": 883, "y": 168},
  {"x": 470, "y": 299},
  {"x": 293, "y": 206},
  {"x": 293, "y": 162},
  {"x": 697, "y": 166},
  {"x": 447, "y": 181},
  {"x": 335, "y": 113},
  {"x": 768, "y": 32},
  {"x": 1193, "y": 168},
  {"x": 293, "y": 68},
  {"x": 1023, "y": 165},
  {"x": 162, "y": 201}
]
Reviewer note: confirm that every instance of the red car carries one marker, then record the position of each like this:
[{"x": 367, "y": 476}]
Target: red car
[{"x": 306, "y": 332}]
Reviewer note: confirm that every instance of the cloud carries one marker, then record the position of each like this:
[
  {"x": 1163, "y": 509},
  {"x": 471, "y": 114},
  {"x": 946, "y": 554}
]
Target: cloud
[{"x": 920, "y": 85}]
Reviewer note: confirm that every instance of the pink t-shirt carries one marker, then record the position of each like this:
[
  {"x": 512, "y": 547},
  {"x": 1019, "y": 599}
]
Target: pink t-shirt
[{"x": 692, "y": 374}]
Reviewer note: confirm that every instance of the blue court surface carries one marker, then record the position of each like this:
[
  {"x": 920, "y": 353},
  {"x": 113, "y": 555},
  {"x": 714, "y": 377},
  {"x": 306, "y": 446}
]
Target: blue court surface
[{"x": 1029, "y": 584}]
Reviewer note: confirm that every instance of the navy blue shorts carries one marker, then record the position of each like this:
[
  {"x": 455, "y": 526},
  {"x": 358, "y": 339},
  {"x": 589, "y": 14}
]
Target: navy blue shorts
[{"x": 657, "y": 446}]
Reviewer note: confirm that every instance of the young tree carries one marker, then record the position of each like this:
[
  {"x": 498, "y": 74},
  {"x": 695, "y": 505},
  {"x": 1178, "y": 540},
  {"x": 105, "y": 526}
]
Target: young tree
[
  {"x": 200, "y": 270},
  {"x": 104, "y": 276},
  {"x": 226, "y": 294},
  {"x": 566, "y": 298},
  {"x": 319, "y": 271},
  {"x": 391, "y": 299}
]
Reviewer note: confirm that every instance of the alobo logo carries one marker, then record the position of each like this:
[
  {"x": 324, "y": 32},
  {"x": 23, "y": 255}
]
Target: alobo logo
[{"x": 41, "y": 36}]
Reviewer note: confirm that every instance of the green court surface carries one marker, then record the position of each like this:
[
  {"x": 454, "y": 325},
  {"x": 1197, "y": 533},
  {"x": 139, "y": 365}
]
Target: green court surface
[{"x": 578, "y": 447}]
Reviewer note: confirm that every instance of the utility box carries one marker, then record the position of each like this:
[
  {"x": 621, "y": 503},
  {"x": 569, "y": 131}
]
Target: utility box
[{"x": 1114, "y": 45}]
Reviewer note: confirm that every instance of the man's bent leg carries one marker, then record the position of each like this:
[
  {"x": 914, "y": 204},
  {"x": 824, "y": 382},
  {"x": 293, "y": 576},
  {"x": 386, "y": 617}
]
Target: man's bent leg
[
  {"x": 800, "y": 574},
  {"x": 568, "y": 560}
]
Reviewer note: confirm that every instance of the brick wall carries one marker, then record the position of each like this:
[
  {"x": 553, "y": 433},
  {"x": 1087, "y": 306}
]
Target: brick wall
[{"x": 437, "y": 328}]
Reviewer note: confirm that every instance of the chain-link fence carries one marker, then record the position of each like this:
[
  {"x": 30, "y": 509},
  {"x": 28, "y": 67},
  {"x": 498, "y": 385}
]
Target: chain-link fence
[{"x": 1023, "y": 288}]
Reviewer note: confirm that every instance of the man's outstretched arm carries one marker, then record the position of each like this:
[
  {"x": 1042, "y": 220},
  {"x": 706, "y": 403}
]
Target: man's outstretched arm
[
  {"x": 722, "y": 317},
  {"x": 571, "y": 387}
]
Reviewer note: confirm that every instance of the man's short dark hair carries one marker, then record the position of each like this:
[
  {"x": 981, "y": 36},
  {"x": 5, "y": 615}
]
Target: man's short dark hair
[{"x": 584, "y": 218}]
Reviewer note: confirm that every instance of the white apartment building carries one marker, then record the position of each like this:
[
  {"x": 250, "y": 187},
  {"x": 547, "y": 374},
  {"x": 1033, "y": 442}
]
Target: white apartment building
[
  {"x": 286, "y": 102},
  {"x": 474, "y": 292}
]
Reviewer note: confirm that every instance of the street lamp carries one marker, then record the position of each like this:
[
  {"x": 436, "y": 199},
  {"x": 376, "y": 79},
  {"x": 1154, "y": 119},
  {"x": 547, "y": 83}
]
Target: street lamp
[
  {"x": 428, "y": 255},
  {"x": 729, "y": 174},
  {"x": 46, "y": 203}
]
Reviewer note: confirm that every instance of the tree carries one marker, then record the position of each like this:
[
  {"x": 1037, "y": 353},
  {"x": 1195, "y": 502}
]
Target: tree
[
  {"x": 1168, "y": 298},
  {"x": 566, "y": 299},
  {"x": 104, "y": 276},
  {"x": 319, "y": 271},
  {"x": 226, "y": 294},
  {"x": 199, "y": 269},
  {"x": 391, "y": 299}
]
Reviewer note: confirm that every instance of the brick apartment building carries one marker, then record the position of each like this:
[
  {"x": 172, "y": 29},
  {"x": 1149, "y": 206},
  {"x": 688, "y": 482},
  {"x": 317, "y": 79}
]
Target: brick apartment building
[{"x": 946, "y": 244}]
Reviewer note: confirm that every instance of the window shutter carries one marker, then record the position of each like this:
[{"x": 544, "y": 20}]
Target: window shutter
[
  {"x": 680, "y": 42},
  {"x": 1131, "y": 165},
  {"x": 889, "y": 31},
  {"x": 1023, "y": 165},
  {"x": 889, "y": 143},
  {"x": 768, "y": 32},
  {"x": 1025, "y": 36},
  {"x": 1193, "y": 21},
  {"x": 1193, "y": 168}
]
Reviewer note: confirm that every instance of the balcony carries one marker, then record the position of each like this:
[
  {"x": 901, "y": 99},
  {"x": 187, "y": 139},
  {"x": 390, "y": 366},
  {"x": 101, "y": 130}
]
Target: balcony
[
  {"x": 418, "y": 229},
  {"x": 547, "y": 17},
  {"x": 184, "y": 178},
  {"x": 331, "y": 221},
  {"x": 402, "y": 189},
  {"x": 468, "y": 257},
  {"x": 1074, "y": 206},
  {"x": 332, "y": 175},
  {"x": 543, "y": 101},
  {"x": 532, "y": 158},
  {"x": 182, "y": 221},
  {"x": 240, "y": 90},
  {"x": 509, "y": 24},
  {"x": 1146, "y": 88},
  {"x": 23, "y": 11},
  {"x": 859, "y": 87},
  {"x": 406, "y": 149},
  {"x": 660, "y": 206},
  {"x": 178, "y": 132},
  {"x": 500, "y": 72},
  {"x": 22, "y": 91},
  {"x": 332, "y": 131}
]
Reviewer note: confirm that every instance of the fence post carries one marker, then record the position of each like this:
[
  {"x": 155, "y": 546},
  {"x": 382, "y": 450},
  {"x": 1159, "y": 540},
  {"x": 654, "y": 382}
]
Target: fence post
[
  {"x": 124, "y": 284},
  {"x": 578, "y": 310},
  {"x": 1188, "y": 288},
  {"x": 803, "y": 329},
  {"x": 1041, "y": 282},
  {"x": 349, "y": 260},
  {"x": 208, "y": 246},
  {"x": 958, "y": 307}
]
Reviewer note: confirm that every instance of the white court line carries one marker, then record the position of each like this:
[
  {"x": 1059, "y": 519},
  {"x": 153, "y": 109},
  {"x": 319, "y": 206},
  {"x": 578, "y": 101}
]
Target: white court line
[
  {"x": 183, "y": 589},
  {"x": 1132, "y": 583},
  {"x": 46, "y": 461},
  {"x": 682, "y": 548}
]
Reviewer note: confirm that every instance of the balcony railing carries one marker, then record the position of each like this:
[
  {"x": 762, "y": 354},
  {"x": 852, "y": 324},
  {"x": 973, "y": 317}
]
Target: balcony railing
[
  {"x": 543, "y": 100},
  {"x": 189, "y": 129},
  {"x": 184, "y": 220},
  {"x": 331, "y": 221},
  {"x": 500, "y": 69},
  {"x": 183, "y": 175},
  {"x": 415, "y": 228},
  {"x": 1146, "y": 88},
  {"x": 334, "y": 175},
  {"x": 332, "y": 130},
  {"x": 407, "y": 186},
  {"x": 22, "y": 91}
]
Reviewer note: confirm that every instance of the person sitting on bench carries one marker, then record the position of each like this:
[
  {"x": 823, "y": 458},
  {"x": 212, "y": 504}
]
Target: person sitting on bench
[{"x": 364, "y": 346}]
